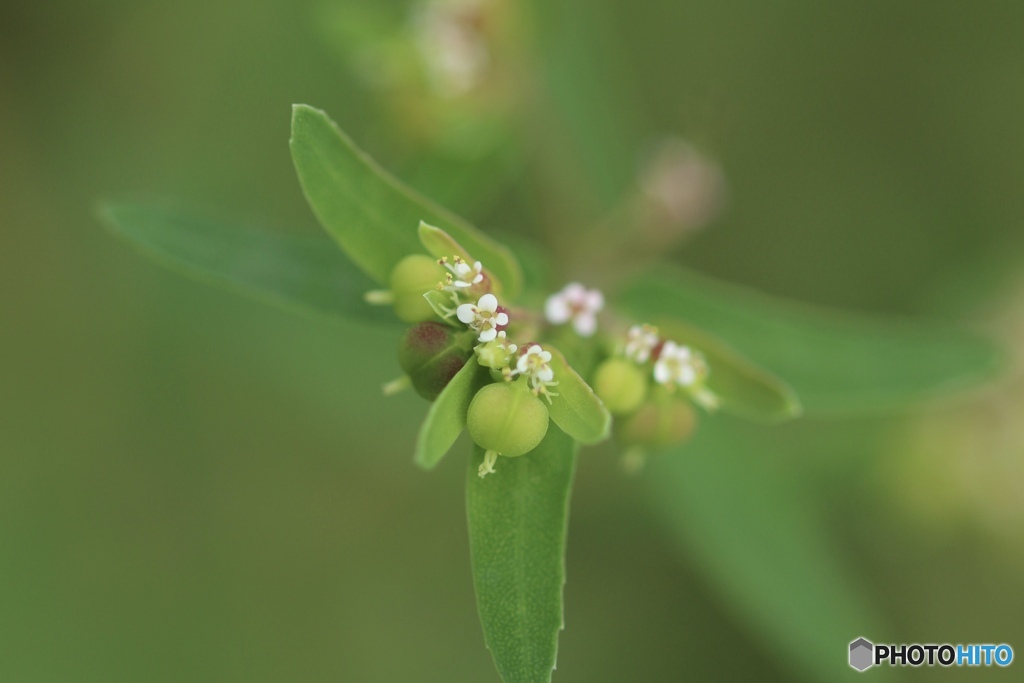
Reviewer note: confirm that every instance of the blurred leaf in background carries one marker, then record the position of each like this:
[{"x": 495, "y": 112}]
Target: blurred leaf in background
[{"x": 192, "y": 488}]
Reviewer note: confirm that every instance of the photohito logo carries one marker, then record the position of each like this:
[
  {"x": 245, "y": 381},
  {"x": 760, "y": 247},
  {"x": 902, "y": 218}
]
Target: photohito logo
[{"x": 864, "y": 654}]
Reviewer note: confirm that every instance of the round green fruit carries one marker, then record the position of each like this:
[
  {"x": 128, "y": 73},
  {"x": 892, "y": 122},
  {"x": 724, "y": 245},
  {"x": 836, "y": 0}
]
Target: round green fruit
[
  {"x": 664, "y": 419},
  {"x": 621, "y": 384},
  {"x": 507, "y": 418},
  {"x": 413, "y": 277}
]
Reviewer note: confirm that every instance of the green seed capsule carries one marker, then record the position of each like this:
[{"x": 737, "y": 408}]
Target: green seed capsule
[
  {"x": 507, "y": 418},
  {"x": 431, "y": 354},
  {"x": 413, "y": 277},
  {"x": 621, "y": 384},
  {"x": 665, "y": 419}
]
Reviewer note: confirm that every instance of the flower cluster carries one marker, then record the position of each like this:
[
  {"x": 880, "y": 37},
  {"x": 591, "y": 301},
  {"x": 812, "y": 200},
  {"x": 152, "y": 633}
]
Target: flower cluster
[
  {"x": 576, "y": 304},
  {"x": 489, "y": 320},
  {"x": 675, "y": 365},
  {"x": 649, "y": 385},
  {"x": 641, "y": 340},
  {"x": 679, "y": 366},
  {"x": 462, "y": 274}
]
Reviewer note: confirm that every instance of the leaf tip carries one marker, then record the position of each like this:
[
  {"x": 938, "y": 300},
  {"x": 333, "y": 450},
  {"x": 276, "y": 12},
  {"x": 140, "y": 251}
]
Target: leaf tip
[
  {"x": 420, "y": 461},
  {"x": 304, "y": 115},
  {"x": 299, "y": 109},
  {"x": 112, "y": 216},
  {"x": 794, "y": 408},
  {"x": 426, "y": 228},
  {"x": 106, "y": 213}
]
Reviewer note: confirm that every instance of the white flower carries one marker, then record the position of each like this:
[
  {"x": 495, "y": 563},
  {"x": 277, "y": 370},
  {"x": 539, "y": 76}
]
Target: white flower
[
  {"x": 679, "y": 365},
  {"x": 533, "y": 364},
  {"x": 464, "y": 274},
  {"x": 483, "y": 317},
  {"x": 578, "y": 304},
  {"x": 640, "y": 341}
]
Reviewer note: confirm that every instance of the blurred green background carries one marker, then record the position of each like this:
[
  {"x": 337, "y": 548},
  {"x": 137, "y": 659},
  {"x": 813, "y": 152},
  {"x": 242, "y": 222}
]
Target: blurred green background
[{"x": 196, "y": 487}]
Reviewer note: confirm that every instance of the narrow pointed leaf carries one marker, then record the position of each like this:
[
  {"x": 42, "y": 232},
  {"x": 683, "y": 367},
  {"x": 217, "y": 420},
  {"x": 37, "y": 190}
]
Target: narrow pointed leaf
[
  {"x": 576, "y": 409},
  {"x": 307, "y": 273},
  {"x": 740, "y": 386},
  {"x": 372, "y": 215},
  {"x": 447, "y": 415},
  {"x": 836, "y": 363},
  {"x": 518, "y": 519}
]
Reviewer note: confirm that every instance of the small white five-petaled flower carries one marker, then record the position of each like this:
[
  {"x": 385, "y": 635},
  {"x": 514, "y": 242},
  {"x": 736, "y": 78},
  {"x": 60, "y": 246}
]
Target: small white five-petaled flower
[
  {"x": 640, "y": 341},
  {"x": 578, "y": 304},
  {"x": 483, "y": 317},
  {"x": 463, "y": 274},
  {"x": 679, "y": 365}
]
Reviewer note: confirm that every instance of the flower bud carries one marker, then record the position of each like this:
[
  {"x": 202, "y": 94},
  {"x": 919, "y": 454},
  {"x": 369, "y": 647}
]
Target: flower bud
[
  {"x": 496, "y": 353},
  {"x": 507, "y": 418},
  {"x": 621, "y": 384},
  {"x": 411, "y": 278},
  {"x": 431, "y": 354},
  {"x": 664, "y": 419}
]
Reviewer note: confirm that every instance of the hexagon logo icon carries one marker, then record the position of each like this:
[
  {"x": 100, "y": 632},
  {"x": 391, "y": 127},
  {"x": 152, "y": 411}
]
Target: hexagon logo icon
[{"x": 862, "y": 654}]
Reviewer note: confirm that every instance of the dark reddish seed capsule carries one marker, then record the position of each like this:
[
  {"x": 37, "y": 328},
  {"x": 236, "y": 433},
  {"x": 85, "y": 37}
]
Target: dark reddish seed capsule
[{"x": 431, "y": 354}]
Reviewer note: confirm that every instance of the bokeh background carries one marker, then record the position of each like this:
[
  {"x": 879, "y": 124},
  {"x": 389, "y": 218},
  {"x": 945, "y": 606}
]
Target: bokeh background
[{"x": 196, "y": 487}]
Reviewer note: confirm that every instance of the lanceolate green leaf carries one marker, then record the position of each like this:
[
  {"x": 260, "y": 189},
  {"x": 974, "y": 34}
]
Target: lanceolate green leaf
[
  {"x": 371, "y": 214},
  {"x": 576, "y": 409},
  {"x": 739, "y": 512},
  {"x": 517, "y": 528},
  {"x": 835, "y": 362},
  {"x": 740, "y": 386},
  {"x": 447, "y": 416},
  {"x": 298, "y": 272}
]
